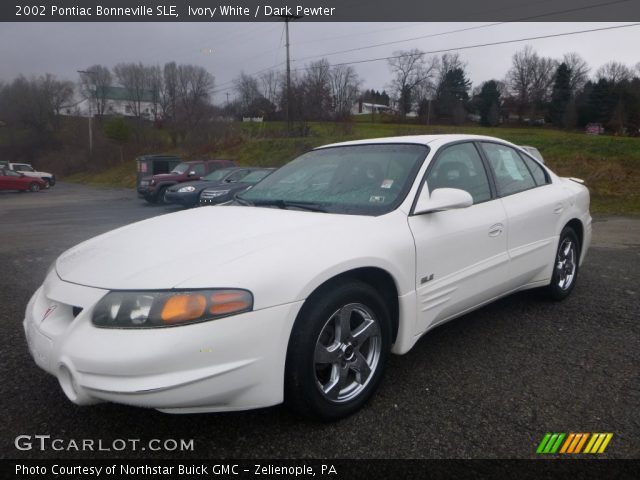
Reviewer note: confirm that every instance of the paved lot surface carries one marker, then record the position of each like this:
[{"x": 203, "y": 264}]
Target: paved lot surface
[{"x": 488, "y": 385}]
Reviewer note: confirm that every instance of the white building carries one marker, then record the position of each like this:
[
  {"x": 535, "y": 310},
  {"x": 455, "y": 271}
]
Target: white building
[{"x": 118, "y": 101}]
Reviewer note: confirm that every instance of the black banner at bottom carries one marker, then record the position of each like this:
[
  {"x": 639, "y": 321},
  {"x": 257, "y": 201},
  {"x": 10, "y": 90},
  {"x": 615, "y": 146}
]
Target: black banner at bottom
[{"x": 87, "y": 469}]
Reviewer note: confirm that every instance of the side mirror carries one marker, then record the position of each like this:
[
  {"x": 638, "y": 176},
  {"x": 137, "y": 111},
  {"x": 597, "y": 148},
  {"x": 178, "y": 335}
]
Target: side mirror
[
  {"x": 442, "y": 199},
  {"x": 191, "y": 173}
]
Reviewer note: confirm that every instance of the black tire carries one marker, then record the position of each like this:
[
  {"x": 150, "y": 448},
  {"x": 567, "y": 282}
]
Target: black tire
[
  {"x": 357, "y": 355},
  {"x": 51, "y": 181},
  {"x": 565, "y": 266},
  {"x": 160, "y": 198},
  {"x": 34, "y": 187}
]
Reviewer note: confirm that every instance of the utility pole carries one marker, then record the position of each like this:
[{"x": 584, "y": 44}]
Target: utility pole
[
  {"x": 287, "y": 19},
  {"x": 90, "y": 74},
  {"x": 227, "y": 98}
]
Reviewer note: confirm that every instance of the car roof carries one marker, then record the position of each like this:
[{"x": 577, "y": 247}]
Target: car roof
[{"x": 417, "y": 139}]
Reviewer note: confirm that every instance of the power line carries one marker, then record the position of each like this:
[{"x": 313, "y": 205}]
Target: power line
[
  {"x": 479, "y": 45},
  {"x": 422, "y": 37},
  {"x": 465, "y": 47}
]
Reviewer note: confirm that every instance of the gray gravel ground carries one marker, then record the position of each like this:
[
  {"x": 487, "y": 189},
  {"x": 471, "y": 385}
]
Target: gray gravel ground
[{"x": 488, "y": 385}]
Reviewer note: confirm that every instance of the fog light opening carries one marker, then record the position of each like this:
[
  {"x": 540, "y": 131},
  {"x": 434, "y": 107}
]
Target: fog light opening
[{"x": 71, "y": 389}]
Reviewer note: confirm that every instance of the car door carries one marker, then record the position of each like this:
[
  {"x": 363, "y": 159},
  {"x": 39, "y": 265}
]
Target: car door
[
  {"x": 461, "y": 254},
  {"x": 533, "y": 205},
  {"x": 5, "y": 180},
  {"x": 12, "y": 181}
]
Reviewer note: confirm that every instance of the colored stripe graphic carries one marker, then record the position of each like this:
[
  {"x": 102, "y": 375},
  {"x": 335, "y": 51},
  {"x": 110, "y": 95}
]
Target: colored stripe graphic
[
  {"x": 550, "y": 443},
  {"x": 598, "y": 442},
  {"x": 555, "y": 443}
]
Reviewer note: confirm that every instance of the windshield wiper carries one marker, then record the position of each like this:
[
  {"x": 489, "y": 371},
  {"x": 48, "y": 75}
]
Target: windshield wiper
[{"x": 286, "y": 204}]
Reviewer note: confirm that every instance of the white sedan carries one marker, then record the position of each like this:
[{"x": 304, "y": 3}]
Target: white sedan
[{"x": 299, "y": 291}]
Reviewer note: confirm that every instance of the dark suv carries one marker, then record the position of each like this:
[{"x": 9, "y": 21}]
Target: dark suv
[{"x": 153, "y": 188}]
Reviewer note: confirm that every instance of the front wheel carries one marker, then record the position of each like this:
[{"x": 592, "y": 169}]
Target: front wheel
[
  {"x": 161, "y": 198},
  {"x": 34, "y": 187},
  {"x": 337, "y": 351},
  {"x": 565, "y": 267}
]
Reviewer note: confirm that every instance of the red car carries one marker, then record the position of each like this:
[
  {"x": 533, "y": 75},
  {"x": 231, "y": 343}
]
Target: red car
[{"x": 10, "y": 180}]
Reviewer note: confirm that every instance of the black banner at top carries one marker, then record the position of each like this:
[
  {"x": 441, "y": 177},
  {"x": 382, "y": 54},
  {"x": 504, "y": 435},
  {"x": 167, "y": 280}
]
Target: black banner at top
[{"x": 319, "y": 10}]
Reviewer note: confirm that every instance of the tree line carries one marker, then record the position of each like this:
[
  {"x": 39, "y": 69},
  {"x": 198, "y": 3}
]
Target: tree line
[{"x": 428, "y": 89}]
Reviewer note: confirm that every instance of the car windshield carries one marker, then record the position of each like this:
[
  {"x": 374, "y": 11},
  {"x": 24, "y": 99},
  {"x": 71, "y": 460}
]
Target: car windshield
[
  {"x": 180, "y": 168},
  {"x": 217, "y": 175},
  {"x": 24, "y": 168},
  {"x": 255, "y": 177},
  {"x": 357, "y": 179}
]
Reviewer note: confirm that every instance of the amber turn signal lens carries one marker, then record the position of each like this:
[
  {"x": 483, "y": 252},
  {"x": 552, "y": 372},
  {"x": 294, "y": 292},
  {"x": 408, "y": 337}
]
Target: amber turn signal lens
[
  {"x": 226, "y": 302},
  {"x": 183, "y": 308}
]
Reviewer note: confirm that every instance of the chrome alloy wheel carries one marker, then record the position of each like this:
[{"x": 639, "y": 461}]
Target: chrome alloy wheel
[
  {"x": 347, "y": 352},
  {"x": 566, "y": 264}
]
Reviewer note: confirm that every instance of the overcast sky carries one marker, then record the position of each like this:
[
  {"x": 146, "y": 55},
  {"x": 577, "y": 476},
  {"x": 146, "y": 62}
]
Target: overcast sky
[{"x": 225, "y": 49}]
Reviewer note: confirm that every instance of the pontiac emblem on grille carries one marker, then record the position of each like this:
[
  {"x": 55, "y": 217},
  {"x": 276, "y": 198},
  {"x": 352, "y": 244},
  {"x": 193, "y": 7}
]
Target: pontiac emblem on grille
[{"x": 48, "y": 312}]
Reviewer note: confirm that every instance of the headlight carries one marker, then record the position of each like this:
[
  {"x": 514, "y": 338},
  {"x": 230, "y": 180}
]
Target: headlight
[
  {"x": 216, "y": 193},
  {"x": 168, "y": 308},
  {"x": 152, "y": 182},
  {"x": 188, "y": 188}
]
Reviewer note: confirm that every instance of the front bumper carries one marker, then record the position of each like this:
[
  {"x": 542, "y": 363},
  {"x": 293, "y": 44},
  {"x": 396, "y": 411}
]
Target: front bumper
[
  {"x": 188, "y": 199},
  {"x": 148, "y": 193},
  {"x": 234, "y": 363}
]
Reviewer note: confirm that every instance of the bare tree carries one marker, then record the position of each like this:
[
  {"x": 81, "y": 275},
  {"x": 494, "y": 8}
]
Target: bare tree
[
  {"x": 247, "y": 90},
  {"x": 169, "y": 93},
  {"x": 345, "y": 86},
  {"x": 57, "y": 93},
  {"x": 94, "y": 85},
  {"x": 317, "y": 90},
  {"x": 614, "y": 72},
  {"x": 155, "y": 85},
  {"x": 578, "y": 71},
  {"x": 530, "y": 79},
  {"x": 194, "y": 86},
  {"x": 270, "y": 82},
  {"x": 410, "y": 71},
  {"x": 35, "y": 103},
  {"x": 133, "y": 77}
]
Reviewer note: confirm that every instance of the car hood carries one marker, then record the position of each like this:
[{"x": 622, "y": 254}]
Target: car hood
[
  {"x": 165, "y": 251},
  {"x": 198, "y": 184}
]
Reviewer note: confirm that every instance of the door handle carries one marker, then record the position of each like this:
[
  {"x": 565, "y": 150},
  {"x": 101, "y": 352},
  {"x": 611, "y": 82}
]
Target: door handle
[
  {"x": 496, "y": 229},
  {"x": 558, "y": 209}
]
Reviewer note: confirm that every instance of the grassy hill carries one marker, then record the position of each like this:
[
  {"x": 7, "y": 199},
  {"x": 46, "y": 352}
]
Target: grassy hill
[{"x": 609, "y": 165}]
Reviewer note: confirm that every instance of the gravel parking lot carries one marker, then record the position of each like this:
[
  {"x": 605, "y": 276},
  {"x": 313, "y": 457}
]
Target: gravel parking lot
[{"x": 488, "y": 385}]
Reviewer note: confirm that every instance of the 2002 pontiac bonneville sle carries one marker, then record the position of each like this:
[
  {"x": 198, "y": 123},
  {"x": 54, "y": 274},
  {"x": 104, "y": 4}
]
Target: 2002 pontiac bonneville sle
[{"x": 299, "y": 290}]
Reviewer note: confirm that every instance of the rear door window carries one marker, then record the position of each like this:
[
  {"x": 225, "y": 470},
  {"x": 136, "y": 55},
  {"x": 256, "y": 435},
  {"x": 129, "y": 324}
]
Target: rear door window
[{"x": 510, "y": 172}]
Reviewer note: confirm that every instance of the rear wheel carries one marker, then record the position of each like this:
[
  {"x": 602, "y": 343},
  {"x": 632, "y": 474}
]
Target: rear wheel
[
  {"x": 34, "y": 187},
  {"x": 565, "y": 267},
  {"x": 337, "y": 351}
]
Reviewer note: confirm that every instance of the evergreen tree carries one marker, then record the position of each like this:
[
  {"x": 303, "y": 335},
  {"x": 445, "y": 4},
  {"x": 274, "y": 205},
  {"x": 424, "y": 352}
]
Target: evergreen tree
[
  {"x": 560, "y": 96},
  {"x": 489, "y": 103}
]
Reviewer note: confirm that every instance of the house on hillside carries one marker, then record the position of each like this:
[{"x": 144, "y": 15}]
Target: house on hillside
[
  {"x": 364, "y": 108},
  {"x": 117, "y": 101}
]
